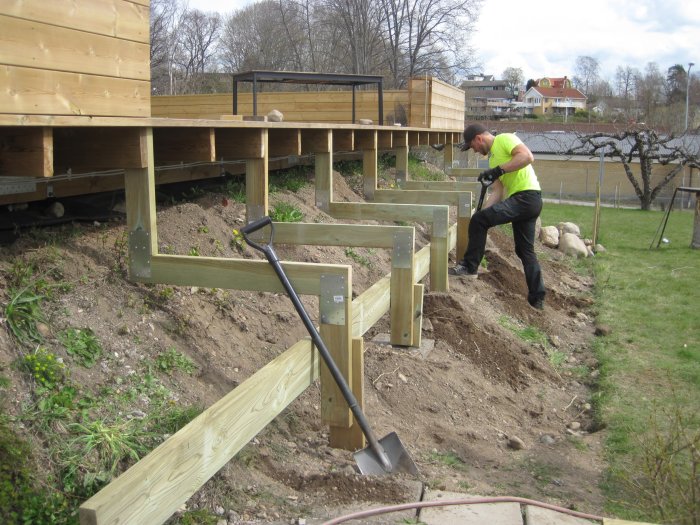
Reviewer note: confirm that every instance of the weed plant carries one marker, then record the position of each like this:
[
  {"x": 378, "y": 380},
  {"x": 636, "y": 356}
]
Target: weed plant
[
  {"x": 172, "y": 360},
  {"x": 292, "y": 179},
  {"x": 81, "y": 344},
  {"x": 286, "y": 212},
  {"x": 43, "y": 366}
]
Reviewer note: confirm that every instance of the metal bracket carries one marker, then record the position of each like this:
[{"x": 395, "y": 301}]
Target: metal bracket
[
  {"x": 402, "y": 256},
  {"x": 332, "y": 299},
  {"x": 15, "y": 185},
  {"x": 140, "y": 253}
]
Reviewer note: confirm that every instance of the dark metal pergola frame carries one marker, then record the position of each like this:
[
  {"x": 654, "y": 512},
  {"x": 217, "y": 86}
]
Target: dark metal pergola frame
[{"x": 298, "y": 77}]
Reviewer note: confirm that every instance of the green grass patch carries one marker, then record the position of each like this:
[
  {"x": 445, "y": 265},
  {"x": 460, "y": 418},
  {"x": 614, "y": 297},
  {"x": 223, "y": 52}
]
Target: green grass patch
[
  {"x": 419, "y": 170},
  {"x": 650, "y": 362},
  {"x": 172, "y": 360},
  {"x": 81, "y": 344},
  {"x": 449, "y": 459},
  {"x": 292, "y": 179},
  {"x": 286, "y": 212}
]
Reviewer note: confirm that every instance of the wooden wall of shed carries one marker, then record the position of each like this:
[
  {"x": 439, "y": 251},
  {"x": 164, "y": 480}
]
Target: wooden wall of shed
[
  {"x": 435, "y": 104},
  {"x": 75, "y": 57},
  {"x": 297, "y": 106}
]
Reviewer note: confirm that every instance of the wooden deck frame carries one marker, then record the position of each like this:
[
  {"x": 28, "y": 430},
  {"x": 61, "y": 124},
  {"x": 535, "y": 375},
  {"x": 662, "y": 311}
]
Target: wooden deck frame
[{"x": 155, "y": 486}]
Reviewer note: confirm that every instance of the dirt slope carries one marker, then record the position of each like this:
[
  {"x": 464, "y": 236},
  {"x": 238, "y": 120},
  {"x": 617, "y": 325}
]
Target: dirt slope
[{"x": 460, "y": 408}]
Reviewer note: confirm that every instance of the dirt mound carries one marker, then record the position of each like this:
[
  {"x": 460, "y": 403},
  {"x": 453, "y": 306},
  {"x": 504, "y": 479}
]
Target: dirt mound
[{"x": 491, "y": 368}]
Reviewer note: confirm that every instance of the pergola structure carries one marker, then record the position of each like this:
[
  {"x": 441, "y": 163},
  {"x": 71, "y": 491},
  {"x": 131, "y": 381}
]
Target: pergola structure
[{"x": 299, "y": 77}]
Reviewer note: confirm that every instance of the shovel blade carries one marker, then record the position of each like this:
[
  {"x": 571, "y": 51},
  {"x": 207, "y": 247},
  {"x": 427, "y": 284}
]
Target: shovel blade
[{"x": 400, "y": 461}]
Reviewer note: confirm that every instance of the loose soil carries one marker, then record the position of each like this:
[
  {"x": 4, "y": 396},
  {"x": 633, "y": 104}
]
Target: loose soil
[{"x": 463, "y": 404}]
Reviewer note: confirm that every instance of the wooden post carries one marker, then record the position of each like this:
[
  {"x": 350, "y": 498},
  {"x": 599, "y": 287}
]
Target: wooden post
[
  {"x": 369, "y": 172},
  {"x": 352, "y": 438},
  {"x": 696, "y": 223},
  {"x": 256, "y": 178},
  {"x": 448, "y": 155},
  {"x": 140, "y": 194},
  {"x": 401, "y": 165},
  {"x": 401, "y": 305},
  {"x": 323, "y": 150},
  {"x": 439, "y": 250},
  {"x": 335, "y": 305},
  {"x": 464, "y": 213},
  {"x": 417, "y": 314}
]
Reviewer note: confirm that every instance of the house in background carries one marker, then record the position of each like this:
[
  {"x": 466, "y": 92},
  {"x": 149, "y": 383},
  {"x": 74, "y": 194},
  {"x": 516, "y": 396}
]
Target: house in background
[
  {"x": 554, "y": 96},
  {"x": 486, "y": 98}
]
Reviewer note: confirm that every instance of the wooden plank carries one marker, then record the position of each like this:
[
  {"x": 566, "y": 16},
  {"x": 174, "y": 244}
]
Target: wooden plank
[
  {"x": 401, "y": 307},
  {"x": 46, "y": 46},
  {"x": 118, "y": 18},
  {"x": 400, "y": 139},
  {"x": 370, "y": 306},
  {"x": 323, "y": 177},
  {"x": 175, "y": 145},
  {"x": 385, "y": 212},
  {"x": 418, "y": 197},
  {"x": 413, "y": 138},
  {"x": 40, "y": 92},
  {"x": 99, "y": 148},
  {"x": 316, "y": 141},
  {"x": 153, "y": 489},
  {"x": 385, "y": 140},
  {"x": 364, "y": 235},
  {"x": 284, "y": 142},
  {"x": 240, "y": 143},
  {"x": 26, "y": 152},
  {"x": 464, "y": 172},
  {"x": 256, "y": 185},
  {"x": 238, "y": 274},
  {"x": 441, "y": 185},
  {"x": 439, "y": 252},
  {"x": 401, "y": 165},
  {"x": 352, "y": 438}
]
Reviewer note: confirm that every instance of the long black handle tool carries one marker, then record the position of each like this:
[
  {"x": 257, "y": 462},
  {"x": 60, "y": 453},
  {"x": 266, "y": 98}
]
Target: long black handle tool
[{"x": 388, "y": 455}]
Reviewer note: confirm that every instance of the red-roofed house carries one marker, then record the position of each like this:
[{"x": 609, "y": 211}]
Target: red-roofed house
[{"x": 553, "y": 96}]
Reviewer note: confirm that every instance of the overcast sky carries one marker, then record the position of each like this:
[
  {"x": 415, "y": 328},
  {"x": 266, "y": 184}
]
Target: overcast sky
[{"x": 544, "y": 38}]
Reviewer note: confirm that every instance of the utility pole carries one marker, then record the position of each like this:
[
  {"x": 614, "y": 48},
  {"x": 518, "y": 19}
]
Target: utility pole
[{"x": 687, "y": 93}]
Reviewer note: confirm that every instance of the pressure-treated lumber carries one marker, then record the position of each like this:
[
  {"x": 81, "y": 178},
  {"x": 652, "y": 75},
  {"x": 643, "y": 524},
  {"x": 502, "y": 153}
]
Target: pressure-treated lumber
[
  {"x": 26, "y": 152},
  {"x": 153, "y": 489},
  {"x": 352, "y": 438},
  {"x": 364, "y": 235},
  {"x": 239, "y": 274},
  {"x": 175, "y": 145},
  {"x": 386, "y": 212}
]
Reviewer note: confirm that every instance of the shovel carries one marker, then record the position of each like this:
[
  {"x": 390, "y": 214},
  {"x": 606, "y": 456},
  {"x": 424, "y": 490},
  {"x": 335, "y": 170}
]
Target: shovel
[
  {"x": 484, "y": 187},
  {"x": 385, "y": 456}
]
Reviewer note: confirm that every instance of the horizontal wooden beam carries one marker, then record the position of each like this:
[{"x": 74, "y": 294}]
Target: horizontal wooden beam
[
  {"x": 316, "y": 141},
  {"x": 385, "y": 212},
  {"x": 364, "y": 235},
  {"x": 153, "y": 489},
  {"x": 417, "y": 197},
  {"x": 440, "y": 185},
  {"x": 239, "y": 274},
  {"x": 239, "y": 143},
  {"x": 365, "y": 140},
  {"x": 284, "y": 142},
  {"x": 173, "y": 145},
  {"x": 343, "y": 140},
  {"x": 464, "y": 172},
  {"x": 98, "y": 148},
  {"x": 385, "y": 140},
  {"x": 26, "y": 152}
]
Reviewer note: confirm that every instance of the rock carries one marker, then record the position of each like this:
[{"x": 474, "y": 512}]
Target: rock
[
  {"x": 602, "y": 330},
  {"x": 574, "y": 425},
  {"x": 549, "y": 236},
  {"x": 56, "y": 210},
  {"x": 569, "y": 227},
  {"x": 349, "y": 470},
  {"x": 43, "y": 329},
  {"x": 572, "y": 245},
  {"x": 516, "y": 443},
  {"x": 599, "y": 248},
  {"x": 219, "y": 510},
  {"x": 275, "y": 116},
  {"x": 365, "y": 121},
  {"x": 547, "y": 439},
  {"x": 403, "y": 378}
]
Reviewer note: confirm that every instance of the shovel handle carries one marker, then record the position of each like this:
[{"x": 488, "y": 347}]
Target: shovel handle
[{"x": 255, "y": 226}]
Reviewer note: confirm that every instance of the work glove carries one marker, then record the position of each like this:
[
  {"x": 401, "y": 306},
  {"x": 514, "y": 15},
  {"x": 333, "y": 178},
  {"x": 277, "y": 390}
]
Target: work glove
[{"x": 490, "y": 175}]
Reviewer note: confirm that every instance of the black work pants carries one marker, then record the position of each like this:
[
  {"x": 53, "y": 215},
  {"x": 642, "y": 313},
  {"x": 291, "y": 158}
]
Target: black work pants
[{"x": 521, "y": 209}]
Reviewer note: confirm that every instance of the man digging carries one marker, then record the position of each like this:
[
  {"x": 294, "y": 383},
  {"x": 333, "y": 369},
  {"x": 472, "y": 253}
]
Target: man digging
[{"x": 515, "y": 197}]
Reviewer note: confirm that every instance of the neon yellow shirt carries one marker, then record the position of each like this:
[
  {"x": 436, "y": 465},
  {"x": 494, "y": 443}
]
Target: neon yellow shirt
[{"x": 514, "y": 181}]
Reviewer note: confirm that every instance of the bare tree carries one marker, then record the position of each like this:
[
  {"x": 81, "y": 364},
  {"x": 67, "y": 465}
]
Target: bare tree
[
  {"x": 198, "y": 35},
  {"x": 650, "y": 93},
  {"x": 587, "y": 73},
  {"x": 649, "y": 149},
  {"x": 515, "y": 78}
]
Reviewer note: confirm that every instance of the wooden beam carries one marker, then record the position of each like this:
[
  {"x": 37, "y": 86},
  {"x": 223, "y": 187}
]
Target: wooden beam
[
  {"x": 364, "y": 235},
  {"x": 323, "y": 178},
  {"x": 284, "y": 142},
  {"x": 441, "y": 185},
  {"x": 256, "y": 182},
  {"x": 401, "y": 166},
  {"x": 400, "y": 139},
  {"x": 401, "y": 306},
  {"x": 239, "y": 274},
  {"x": 418, "y": 290},
  {"x": 175, "y": 145},
  {"x": 96, "y": 148},
  {"x": 343, "y": 140},
  {"x": 369, "y": 172},
  {"x": 370, "y": 306},
  {"x": 418, "y": 197},
  {"x": 464, "y": 172},
  {"x": 365, "y": 139},
  {"x": 240, "y": 143},
  {"x": 153, "y": 489},
  {"x": 386, "y": 212},
  {"x": 26, "y": 152},
  {"x": 316, "y": 141},
  {"x": 413, "y": 138},
  {"x": 439, "y": 252},
  {"x": 384, "y": 140}
]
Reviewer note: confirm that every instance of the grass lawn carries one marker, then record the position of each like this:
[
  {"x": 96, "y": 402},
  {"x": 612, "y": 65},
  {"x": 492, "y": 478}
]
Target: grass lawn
[{"x": 649, "y": 389}]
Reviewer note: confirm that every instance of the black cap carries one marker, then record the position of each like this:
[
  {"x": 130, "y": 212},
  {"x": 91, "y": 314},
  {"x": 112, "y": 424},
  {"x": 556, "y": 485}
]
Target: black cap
[{"x": 471, "y": 131}]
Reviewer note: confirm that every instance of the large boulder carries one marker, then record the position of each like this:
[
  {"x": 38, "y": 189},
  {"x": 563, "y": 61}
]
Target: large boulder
[
  {"x": 275, "y": 116},
  {"x": 549, "y": 235},
  {"x": 569, "y": 227},
  {"x": 572, "y": 244}
]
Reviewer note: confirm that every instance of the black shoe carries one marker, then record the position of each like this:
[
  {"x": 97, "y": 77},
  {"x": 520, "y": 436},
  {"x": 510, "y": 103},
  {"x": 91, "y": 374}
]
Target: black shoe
[
  {"x": 538, "y": 304},
  {"x": 461, "y": 270}
]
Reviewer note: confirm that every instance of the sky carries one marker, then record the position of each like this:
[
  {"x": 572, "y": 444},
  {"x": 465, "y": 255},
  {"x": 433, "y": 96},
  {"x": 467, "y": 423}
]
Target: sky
[{"x": 544, "y": 38}]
